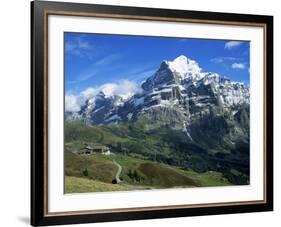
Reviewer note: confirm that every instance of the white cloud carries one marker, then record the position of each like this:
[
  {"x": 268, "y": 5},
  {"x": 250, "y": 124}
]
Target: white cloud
[
  {"x": 97, "y": 66},
  {"x": 88, "y": 93},
  {"x": 78, "y": 47},
  {"x": 107, "y": 60},
  {"x": 71, "y": 103},
  {"x": 223, "y": 59},
  {"x": 238, "y": 66},
  {"x": 232, "y": 44},
  {"x": 124, "y": 88},
  {"x": 86, "y": 76}
]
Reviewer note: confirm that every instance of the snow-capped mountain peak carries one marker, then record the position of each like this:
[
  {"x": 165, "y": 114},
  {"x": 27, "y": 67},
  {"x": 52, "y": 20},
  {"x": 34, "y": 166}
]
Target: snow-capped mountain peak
[
  {"x": 184, "y": 66},
  {"x": 175, "y": 71},
  {"x": 179, "y": 91}
]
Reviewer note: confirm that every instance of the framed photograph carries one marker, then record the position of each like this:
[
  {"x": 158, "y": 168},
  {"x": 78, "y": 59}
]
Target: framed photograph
[{"x": 142, "y": 113}]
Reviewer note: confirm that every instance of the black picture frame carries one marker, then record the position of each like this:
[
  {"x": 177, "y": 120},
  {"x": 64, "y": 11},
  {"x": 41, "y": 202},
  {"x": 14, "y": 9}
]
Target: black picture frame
[{"x": 39, "y": 111}]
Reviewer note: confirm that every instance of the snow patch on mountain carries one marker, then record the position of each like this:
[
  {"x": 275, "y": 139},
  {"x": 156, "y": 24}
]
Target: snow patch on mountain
[
  {"x": 97, "y": 110},
  {"x": 138, "y": 101},
  {"x": 185, "y": 130},
  {"x": 113, "y": 118}
]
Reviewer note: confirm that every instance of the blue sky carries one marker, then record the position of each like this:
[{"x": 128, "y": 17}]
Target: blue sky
[{"x": 92, "y": 60}]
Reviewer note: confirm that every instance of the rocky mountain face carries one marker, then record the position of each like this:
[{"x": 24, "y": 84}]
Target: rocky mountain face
[{"x": 178, "y": 94}]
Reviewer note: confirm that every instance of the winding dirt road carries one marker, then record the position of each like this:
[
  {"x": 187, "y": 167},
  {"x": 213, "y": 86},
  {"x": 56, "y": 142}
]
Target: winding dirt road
[{"x": 117, "y": 177}]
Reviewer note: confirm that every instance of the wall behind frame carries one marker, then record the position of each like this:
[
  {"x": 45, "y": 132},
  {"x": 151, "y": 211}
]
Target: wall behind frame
[{"x": 15, "y": 111}]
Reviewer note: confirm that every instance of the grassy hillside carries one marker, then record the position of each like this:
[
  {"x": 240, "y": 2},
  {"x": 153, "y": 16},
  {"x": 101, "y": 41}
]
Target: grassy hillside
[
  {"x": 164, "y": 145},
  {"x": 163, "y": 175},
  {"x": 89, "y": 167},
  {"x": 136, "y": 174},
  {"x": 79, "y": 185}
]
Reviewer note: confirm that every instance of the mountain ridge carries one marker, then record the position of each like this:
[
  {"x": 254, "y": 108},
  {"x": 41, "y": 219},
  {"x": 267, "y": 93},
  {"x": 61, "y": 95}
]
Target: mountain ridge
[{"x": 179, "y": 86}]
